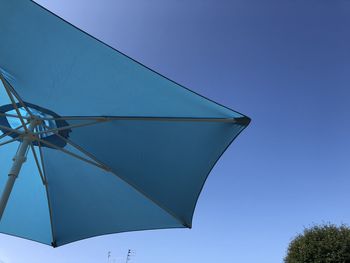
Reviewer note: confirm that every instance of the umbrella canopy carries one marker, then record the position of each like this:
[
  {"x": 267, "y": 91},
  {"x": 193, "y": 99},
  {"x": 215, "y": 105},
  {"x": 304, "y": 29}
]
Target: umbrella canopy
[{"x": 118, "y": 147}]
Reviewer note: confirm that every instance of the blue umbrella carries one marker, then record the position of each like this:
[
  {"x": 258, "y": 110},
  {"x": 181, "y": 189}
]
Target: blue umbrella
[{"x": 117, "y": 146}]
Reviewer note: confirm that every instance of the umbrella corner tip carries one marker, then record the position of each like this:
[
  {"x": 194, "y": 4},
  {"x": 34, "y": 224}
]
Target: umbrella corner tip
[
  {"x": 54, "y": 244},
  {"x": 186, "y": 225},
  {"x": 244, "y": 120}
]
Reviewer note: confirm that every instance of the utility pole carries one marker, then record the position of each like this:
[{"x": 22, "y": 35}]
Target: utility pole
[{"x": 128, "y": 256}]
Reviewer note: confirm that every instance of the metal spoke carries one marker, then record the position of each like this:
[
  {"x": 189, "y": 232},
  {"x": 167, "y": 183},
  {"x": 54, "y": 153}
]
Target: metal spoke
[
  {"x": 10, "y": 132},
  {"x": 145, "y": 118},
  {"x": 54, "y": 130},
  {"x": 12, "y": 90},
  {"x": 71, "y": 153},
  {"x": 13, "y": 116},
  {"x": 38, "y": 164},
  {"x": 41, "y": 157},
  {"x": 21, "y": 102},
  {"x": 83, "y": 151},
  {"x": 14, "y": 104},
  {"x": 10, "y": 129},
  {"x": 9, "y": 141}
]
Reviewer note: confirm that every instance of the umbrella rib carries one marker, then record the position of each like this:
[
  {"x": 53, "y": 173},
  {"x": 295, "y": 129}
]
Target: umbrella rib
[
  {"x": 9, "y": 94},
  {"x": 9, "y": 141},
  {"x": 239, "y": 120},
  {"x": 47, "y": 192},
  {"x": 13, "y": 91},
  {"x": 10, "y": 132},
  {"x": 38, "y": 164},
  {"x": 41, "y": 158},
  {"x": 13, "y": 116},
  {"x": 108, "y": 169},
  {"x": 71, "y": 153},
  {"x": 83, "y": 151},
  {"x": 161, "y": 206},
  {"x": 10, "y": 129},
  {"x": 54, "y": 130}
]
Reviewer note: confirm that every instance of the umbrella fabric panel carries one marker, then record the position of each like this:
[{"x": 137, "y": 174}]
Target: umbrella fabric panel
[
  {"x": 87, "y": 201},
  {"x": 27, "y": 213},
  {"x": 169, "y": 161},
  {"x": 56, "y": 66}
]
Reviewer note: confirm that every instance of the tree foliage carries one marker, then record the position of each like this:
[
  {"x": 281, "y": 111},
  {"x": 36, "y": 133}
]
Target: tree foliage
[{"x": 320, "y": 244}]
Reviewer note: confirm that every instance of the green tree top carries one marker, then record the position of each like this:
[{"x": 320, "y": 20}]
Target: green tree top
[{"x": 320, "y": 244}]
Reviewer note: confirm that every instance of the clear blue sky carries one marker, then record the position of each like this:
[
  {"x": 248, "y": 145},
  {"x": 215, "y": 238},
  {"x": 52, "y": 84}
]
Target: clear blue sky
[{"x": 284, "y": 63}]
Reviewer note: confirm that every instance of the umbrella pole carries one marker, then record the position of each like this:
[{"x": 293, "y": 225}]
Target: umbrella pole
[{"x": 18, "y": 160}]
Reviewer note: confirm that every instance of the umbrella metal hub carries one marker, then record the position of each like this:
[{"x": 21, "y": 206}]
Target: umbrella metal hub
[
  {"x": 29, "y": 124},
  {"x": 47, "y": 123}
]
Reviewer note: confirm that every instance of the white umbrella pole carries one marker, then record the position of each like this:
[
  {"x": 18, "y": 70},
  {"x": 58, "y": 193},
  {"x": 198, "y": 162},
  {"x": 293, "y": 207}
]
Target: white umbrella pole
[{"x": 18, "y": 160}]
